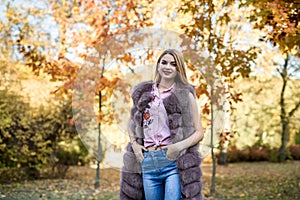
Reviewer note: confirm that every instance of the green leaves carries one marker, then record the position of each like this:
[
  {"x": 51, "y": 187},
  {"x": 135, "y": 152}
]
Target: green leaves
[{"x": 30, "y": 135}]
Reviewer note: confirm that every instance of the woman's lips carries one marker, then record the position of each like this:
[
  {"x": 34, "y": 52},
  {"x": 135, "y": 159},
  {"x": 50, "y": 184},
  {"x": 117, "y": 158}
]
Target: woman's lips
[{"x": 167, "y": 72}]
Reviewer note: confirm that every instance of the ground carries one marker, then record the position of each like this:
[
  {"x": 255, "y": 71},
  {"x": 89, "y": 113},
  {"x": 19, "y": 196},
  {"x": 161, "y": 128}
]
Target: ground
[{"x": 261, "y": 180}]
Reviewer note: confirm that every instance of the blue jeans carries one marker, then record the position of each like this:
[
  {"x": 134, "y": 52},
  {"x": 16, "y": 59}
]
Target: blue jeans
[{"x": 160, "y": 176}]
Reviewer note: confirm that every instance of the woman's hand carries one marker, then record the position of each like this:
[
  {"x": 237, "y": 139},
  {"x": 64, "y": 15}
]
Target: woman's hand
[
  {"x": 173, "y": 151},
  {"x": 138, "y": 150}
]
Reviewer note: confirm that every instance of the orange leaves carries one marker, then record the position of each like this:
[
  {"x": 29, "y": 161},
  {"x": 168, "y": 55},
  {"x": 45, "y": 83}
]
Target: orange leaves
[
  {"x": 280, "y": 20},
  {"x": 225, "y": 137},
  {"x": 284, "y": 23},
  {"x": 236, "y": 97},
  {"x": 191, "y": 66},
  {"x": 226, "y": 61},
  {"x": 106, "y": 117},
  {"x": 127, "y": 58},
  {"x": 150, "y": 55},
  {"x": 201, "y": 91},
  {"x": 206, "y": 109},
  {"x": 105, "y": 83},
  {"x": 81, "y": 28},
  {"x": 62, "y": 69},
  {"x": 130, "y": 5}
]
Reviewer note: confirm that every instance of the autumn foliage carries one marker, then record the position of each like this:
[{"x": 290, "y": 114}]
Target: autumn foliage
[{"x": 74, "y": 43}]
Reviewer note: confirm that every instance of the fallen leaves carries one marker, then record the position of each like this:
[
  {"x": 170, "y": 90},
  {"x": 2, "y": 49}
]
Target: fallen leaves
[{"x": 260, "y": 180}]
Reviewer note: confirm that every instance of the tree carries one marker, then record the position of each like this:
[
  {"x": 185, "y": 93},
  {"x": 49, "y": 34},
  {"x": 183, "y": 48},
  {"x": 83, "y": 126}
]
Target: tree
[
  {"x": 30, "y": 134},
  {"x": 280, "y": 21},
  {"x": 208, "y": 27},
  {"x": 83, "y": 26}
]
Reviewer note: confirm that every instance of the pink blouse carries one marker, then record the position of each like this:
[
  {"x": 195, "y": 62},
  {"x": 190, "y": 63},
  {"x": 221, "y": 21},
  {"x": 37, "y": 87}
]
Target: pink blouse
[{"x": 155, "y": 119}]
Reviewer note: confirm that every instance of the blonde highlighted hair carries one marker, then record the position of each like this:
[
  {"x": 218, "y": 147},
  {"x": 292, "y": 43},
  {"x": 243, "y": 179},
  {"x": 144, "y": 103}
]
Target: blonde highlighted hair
[{"x": 180, "y": 66}]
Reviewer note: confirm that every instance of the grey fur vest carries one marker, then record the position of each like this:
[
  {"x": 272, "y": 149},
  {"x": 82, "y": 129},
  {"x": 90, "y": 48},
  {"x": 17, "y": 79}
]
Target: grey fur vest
[{"x": 181, "y": 126}]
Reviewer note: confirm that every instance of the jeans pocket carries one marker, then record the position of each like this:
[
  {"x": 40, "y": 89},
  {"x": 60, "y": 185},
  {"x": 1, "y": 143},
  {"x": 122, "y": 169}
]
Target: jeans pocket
[
  {"x": 165, "y": 154},
  {"x": 145, "y": 154}
]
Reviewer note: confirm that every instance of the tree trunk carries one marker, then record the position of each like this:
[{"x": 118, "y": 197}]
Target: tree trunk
[
  {"x": 225, "y": 136},
  {"x": 284, "y": 140},
  {"x": 99, "y": 152},
  {"x": 222, "y": 158},
  {"x": 213, "y": 176},
  {"x": 97, "y": 181},
  {"x": 224, "y": 145},
  {"x": 284, "y": 118}
]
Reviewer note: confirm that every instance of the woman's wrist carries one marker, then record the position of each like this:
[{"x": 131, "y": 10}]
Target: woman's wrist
[{"x": 132, "y": 141}]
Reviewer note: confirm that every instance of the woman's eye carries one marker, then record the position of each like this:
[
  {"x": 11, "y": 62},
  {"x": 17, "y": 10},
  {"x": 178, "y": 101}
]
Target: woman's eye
[{"x": 164, "y": 62}]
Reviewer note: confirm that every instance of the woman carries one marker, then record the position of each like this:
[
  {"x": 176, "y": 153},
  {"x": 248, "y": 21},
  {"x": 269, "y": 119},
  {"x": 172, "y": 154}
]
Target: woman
[{"x": 162, "y": 159}]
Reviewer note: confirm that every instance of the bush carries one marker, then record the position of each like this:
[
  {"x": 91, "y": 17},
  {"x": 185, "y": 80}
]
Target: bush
[
  {"x": 73, "y": 153},
  {"x": 250, "y": 154},
  {"x": 258, "y": 154},
  {"x": 273, "y": 155},
  {"x": 297, "y": 137},
  {"x": 237, "y": 155},
  {"x": 295, "y": 151},
  {"x": 29, "y": 137},
  {"x": 20, "y": 144}
]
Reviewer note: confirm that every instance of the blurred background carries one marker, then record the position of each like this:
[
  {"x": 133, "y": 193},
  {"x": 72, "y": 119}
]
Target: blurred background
[{"x": 67, "y": 68}]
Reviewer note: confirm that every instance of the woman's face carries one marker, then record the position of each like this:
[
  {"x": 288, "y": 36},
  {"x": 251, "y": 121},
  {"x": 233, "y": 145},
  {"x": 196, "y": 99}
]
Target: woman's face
[{"x": 167, "y": 67}]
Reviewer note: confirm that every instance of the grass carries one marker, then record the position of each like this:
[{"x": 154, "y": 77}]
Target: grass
[
  {"x": 255, "y": 181},
  {"x": 261, "y": 180}
]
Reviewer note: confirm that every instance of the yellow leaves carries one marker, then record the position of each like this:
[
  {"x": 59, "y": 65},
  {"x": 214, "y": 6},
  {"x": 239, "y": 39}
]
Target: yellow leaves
[
  {"x": 106, "y": 117},
  {"x": 75, "y": 10},
  {"x": 105, "y": 83},
  {"x": 91, "y": 20},
  {"x": 9, "y": 13},
  {"x": 13, "y": 16},
  {"x": 2, "y": 145},
  {"x": 242, "y": 195},
  {"x": 32, "y": 153}
]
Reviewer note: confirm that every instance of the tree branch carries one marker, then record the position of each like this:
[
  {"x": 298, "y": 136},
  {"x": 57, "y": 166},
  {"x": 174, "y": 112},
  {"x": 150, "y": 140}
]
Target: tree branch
[
  {"x": 284, "y": 80},
  {"x": 280, "y": 72},
  {"x": 283, "y": 73},
  {"x": 297, "y": 106}
]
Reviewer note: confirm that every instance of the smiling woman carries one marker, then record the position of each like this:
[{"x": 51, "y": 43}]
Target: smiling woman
[
  {"x": 167, "y": 68},
  {"x": 162, "y": 161},
  {"x": 170, "y": 61}
]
